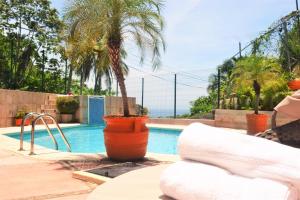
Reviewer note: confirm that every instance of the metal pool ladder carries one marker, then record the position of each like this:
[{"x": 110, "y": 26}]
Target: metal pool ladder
[{"x": 41, "y": 116}]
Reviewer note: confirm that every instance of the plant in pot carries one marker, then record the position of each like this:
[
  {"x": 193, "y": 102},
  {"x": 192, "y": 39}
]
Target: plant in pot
[
  {"x": 111, "y": 24},
  {"x": 257, "y": 71},
  {"x": 67, "y": 106},
  {"x": 293, "y": 81},
  {"x": 19, "y": 117}
]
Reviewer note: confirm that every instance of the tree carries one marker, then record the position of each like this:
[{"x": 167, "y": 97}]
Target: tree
[
  {"x": 204, "y": 104},
  {"x": 255, "y": 71},
  {"x": 27, "y": 28},
  {"x": 110, "y": 23}
]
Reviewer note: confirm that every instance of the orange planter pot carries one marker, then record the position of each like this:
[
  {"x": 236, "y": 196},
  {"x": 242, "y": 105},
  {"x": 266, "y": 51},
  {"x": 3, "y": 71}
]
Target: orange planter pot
[
  {"x": 256, "y": 123},
  {"x": 126, "y": 138},
  {"x": 18, "y": 122},
  {"x": 294, "y": 85}
]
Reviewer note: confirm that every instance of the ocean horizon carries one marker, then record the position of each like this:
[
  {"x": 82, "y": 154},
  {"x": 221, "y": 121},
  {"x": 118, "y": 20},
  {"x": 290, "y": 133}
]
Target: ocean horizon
[{"x": 166, "y": 112}]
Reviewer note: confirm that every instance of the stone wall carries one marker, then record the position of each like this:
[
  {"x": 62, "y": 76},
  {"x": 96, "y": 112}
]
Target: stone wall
[
  {"x": 114, "y": 106},
  {"x": 12, "y": 101},
  {"x": 237, "y": 118},
  {"x": 82, "y": 113}
]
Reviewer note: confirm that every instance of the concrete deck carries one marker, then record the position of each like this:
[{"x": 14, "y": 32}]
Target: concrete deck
[
  {"x": 139, "y": 184},
  {"x": 29, "y": 178},
  {"x": 43, "y": 176}
]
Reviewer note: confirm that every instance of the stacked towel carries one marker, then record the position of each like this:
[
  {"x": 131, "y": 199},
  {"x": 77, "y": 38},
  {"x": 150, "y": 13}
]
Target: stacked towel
[
  {"x": 270, "y": 167},
  {"x": 240, "y": 154},
  {"x": 189, "y": 180}
]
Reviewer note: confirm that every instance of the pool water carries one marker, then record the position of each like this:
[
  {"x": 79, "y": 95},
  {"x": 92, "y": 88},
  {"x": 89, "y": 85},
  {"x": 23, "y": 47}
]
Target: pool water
[{"x": 90, "y": 139}]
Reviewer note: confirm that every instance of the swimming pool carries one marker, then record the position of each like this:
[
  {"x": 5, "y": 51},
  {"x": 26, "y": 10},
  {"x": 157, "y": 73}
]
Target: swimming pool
[{"x": 89, "y": 139}]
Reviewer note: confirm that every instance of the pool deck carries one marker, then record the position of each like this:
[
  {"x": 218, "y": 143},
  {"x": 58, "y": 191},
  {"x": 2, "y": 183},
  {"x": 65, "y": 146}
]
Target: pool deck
[{"x": 44, "y": 176}]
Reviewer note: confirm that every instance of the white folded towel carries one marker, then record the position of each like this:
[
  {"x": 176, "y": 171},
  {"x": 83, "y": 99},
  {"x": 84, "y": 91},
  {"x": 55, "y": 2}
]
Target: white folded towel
[
  {"x": 240, "y": 154},
  {"x": 187, "y": 180}
]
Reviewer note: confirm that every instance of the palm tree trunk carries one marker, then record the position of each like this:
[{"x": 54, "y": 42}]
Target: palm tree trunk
[
  {"x": 256, "y": 87},
  {"x": 114, "y": 55}
]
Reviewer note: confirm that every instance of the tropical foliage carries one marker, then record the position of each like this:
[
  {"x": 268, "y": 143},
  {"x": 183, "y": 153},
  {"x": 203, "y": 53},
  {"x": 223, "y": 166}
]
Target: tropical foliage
[
  {"x": 104, "y": 26},
  {"x": 257, "y": 72},
  {"x": 33, "y": 54},
  {"x": 28, "y": 33},
  {"x": 258, "y": 79}
]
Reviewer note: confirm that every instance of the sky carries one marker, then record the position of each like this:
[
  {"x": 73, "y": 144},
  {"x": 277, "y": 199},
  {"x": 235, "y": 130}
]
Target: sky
[{"x": 200, "y": 35}]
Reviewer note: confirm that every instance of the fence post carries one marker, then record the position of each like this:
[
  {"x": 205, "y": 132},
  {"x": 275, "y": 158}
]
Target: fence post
[
  {"x": 240, "y": 49},
  {"x": 175, "y": 95},
  {"x": 286, "y": 46},
  {"x": 142, "y": 94},
  {"x": 219, "y": 85}
]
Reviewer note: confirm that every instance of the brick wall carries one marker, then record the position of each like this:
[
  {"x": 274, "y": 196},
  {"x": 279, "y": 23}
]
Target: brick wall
[{"x": 12, "y": 101}]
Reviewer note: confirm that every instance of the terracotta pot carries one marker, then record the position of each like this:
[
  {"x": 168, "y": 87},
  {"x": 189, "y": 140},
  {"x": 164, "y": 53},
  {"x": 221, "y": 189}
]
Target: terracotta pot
[
  {"x": 294, "y": 85},
  {"x": 126, "y": 138},
  {"x": 256, "y": 123},
  {"x": 66, "y": 118},
  {"x": 18, "y": 122}
]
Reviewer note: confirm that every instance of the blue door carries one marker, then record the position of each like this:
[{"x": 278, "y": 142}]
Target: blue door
[{"x": 96, "y": 110}]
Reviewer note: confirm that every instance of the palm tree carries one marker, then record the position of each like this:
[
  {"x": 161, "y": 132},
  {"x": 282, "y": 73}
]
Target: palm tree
[
  {"x": 257, "y": 71},
  {"x": 109, "y": 23}
]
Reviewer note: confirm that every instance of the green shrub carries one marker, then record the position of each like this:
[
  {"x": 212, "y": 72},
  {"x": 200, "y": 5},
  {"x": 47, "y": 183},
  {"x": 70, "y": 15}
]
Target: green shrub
[
  {"x": 20, "y": 114},
  {"x": 203, "y": 104},
  {"x": 67, "y": 105},
  {"x": 245, "y": 98},
  {"x": 274, "y": 93},
  {"x": 141, "y": 111}
]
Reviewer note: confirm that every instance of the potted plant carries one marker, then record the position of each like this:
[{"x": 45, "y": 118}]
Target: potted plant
[
  {"x": 19, "y": 117},
  {"x": 257, "y": 71},
  {"x": 67, "y": 106},
  {"x": 125, "y": 136},
  {"x": 293, "y": 82}
]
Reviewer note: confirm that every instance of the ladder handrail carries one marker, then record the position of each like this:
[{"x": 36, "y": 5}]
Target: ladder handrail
[
  {"x": 41, "y": 116},
  {"x": 22, "y": 127},
  {"x": 47, "y": 127}
]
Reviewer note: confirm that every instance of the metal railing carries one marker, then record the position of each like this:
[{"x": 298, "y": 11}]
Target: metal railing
[{"x": 37, "y": 117}]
